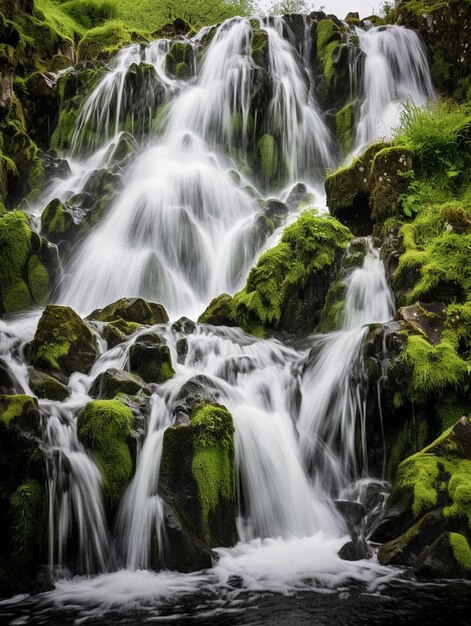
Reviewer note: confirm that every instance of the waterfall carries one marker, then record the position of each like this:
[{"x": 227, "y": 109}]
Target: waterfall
[
  {"x": 395, "y": 71},
  {"x": 333, "y": 404},
  {"x": 183, "y": 230}
]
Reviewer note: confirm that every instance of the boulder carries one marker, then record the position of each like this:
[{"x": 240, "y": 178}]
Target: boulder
[
  {"x": 197, "y": 477},
  {"x": 428, "y": 319},
  {"x": 109, "y": 384},
  {"x": 63, "y": 344},
  {"x": 150, "y": 358},
  {"x": 219, "y": 312},
  {"x": 105, "y": 428},
  {"x": 46, "y": 386},
  {"x": 134, "y": 310}
]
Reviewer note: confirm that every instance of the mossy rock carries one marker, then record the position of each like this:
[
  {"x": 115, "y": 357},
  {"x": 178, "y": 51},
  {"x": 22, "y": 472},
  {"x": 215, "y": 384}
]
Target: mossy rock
[
  {"x": 391, "y": 172},
  {"x": 109, "y": 384},
  {"x": 345, "y": 128},
  {"x": 105, "y": 427},
  {"x": 24, "y": 278},
  {"x": 28, "y": 528},
  {"x": 220, "y": 312},
  {"x": 46, "y": 386},
  {"x": 63, "y": 344},
  {"x": 134, "y": 310},
  {"x": 197, "y": 475},
  {"x": 119, "y": 331},
  {"x": 448, "y": 557},
  {"x": 348, "y": 192},
  {"x": 287, "y": 288},
  {"x": 179, "y": 60},
  {"x": 431, "y": 487},
  {"x": 150, "y": 358},
  {"x": 56, "y": 221}
]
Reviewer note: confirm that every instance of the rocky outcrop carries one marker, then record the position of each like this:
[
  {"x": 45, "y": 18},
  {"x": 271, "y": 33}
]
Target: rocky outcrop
[
  {"x": 150, "y": 358},
  {"x": 367, "y": 192},
  {"x": 428, "y": 515}
]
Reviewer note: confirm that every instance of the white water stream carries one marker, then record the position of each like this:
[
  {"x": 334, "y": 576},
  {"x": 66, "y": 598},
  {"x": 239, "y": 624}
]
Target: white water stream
[{"x": 178, "y": 234}]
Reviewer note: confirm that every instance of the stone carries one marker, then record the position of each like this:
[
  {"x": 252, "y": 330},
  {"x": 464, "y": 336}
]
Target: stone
[
  {"x": 46, "y": 386},
  {"x": 134, "y": 310},
  {"x": 150, "y": 358},
  {"x": 427, "y": 318},
  {"x": 63, "y": 344},
  {"x": 109, "y": 384}
]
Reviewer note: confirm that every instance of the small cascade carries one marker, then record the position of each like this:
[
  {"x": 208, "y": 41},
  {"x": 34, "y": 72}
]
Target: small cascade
[
  {"x": 395, "y": 71},
  {"x": 333, "y": 405},
  {"x": 124, "y": 99},
  {"x": 76, "y": 515},
  {"x": 304, "y": 140}
]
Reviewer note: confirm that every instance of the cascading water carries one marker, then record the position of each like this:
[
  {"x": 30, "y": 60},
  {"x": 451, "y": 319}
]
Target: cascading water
[
  {"x": 395, "y": 71},
  {"x": 180, "y": 233},
  {"x": 333, "y": 404}
]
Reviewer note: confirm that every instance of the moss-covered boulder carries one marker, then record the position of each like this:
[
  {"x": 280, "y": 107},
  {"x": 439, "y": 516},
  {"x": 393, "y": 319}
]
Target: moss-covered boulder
[
  {"x": 150, "y": 358},
  {"x": 134, "y": 310},
  {"x": 431, "y": 496},
  {"x": 287, "y": 288},
  {"x": 197, "y": 476},
  {"x": 109, "y": 384},
  {"x": 25, "y": 277},
  {"x": 220, "y": 312},
  {"x": 63, "y": 344},
  {"x": 391, "y": 171},
  {"x": 434, "y": 265},
  {"x": 105, "y": 428}
]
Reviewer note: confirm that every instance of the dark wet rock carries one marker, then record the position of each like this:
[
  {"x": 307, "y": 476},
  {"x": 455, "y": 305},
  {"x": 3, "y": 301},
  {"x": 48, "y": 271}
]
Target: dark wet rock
[
  {"x": 184, "y": 326},
  {"x": 150, "y": 358},
  {"x": 7, "y": 384},
  {"x": 182, "y": 349},
  {"x": 134, "y": 310},
  {"x": 427, "y": 318},
  {"x": 46, "y": 386},
  {"x": 196, "y": 390},
  {"x": 109, "y": 384},
  {"x": 297, "y": 195},
  {"x": 448, "y": 557},
  {"x": 186, "y": 552}
]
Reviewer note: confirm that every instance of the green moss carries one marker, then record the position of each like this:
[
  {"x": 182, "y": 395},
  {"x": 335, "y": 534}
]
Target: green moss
[
  {"x": 28, "y": 523},
  {"x": 16, "y": 245},
  {"x": 15, "y": 406},
  {"x": 178, "y": 60},
  {"x": 307, "y": 246},
  {"x": 103, "y": 41},
  {"x": 63, "y": 344},
  {"x": 38, "y": 280},
  {"x": 461, "y": 550},
  {"x": 213, "y": 460},
  {"x": 434, "y": 368},
  {"x": 268, "y": 156},
  {"x": 344, "y": 126},
  {"x": 104, "y": 426}
]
